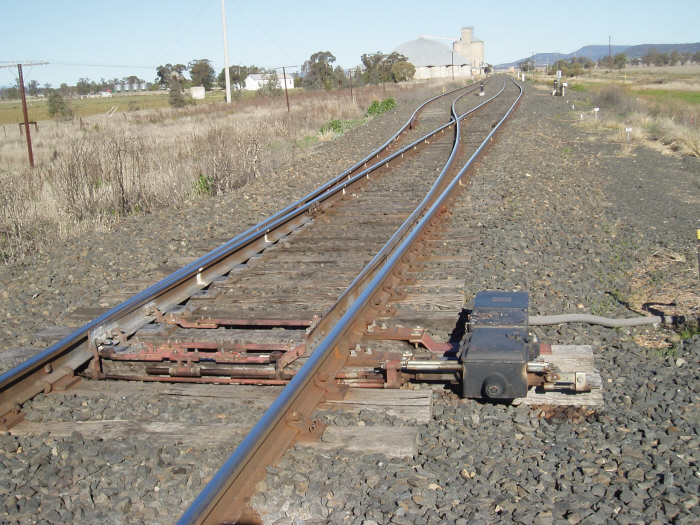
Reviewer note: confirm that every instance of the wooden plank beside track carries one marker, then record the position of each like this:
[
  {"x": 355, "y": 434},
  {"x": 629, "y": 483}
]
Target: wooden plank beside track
[
  {"x": 390, "y": 441},
  {"x": 404, "y": 404},
  {"x": 569, "y": 358}
]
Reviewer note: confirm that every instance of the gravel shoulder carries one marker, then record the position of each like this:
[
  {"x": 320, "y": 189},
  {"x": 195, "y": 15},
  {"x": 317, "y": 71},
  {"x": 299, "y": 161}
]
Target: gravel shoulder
[{"x": 559, "y": 210}]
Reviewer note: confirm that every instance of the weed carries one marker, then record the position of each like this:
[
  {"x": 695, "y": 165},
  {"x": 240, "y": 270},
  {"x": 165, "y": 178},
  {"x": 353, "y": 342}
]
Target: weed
[
  {"x": 578, "y": 87},
  {"x": 377, "y": 108},
  {"x": 664, "y": 352},
  {"x": 334, "y": 126},
  {"x": 689, "y": 330},
  {"x": 567, "y": 151},
  {"x": 201, "y": 186}
]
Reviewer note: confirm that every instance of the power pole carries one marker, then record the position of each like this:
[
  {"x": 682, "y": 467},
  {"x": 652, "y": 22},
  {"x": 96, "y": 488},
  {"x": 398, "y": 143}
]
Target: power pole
[
  {"x": 227, "y": 74},
  {"x": 610, "y": 51},
  {"x": 24, "y": 105},
  {"x": 284, "y": 76},
  {"x": 589, "y": 60}
]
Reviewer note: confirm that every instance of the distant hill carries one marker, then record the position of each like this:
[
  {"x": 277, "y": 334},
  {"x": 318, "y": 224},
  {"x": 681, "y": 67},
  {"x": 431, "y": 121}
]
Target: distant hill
[
  {"x": 598, "y": 52},
  {"x": 639, "y": 51}
]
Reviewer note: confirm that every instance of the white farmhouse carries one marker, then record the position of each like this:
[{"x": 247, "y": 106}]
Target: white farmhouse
[{"x": 254, "y": 81}]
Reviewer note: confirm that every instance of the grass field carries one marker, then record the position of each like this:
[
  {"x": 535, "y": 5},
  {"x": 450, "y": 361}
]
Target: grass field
[
  {"x": 11, "y": 110},
  {"x": 662, "y": 95}
]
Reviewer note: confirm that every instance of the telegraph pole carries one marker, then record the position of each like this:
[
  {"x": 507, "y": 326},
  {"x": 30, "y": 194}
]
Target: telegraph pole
[
  {"x": 24, "y": 105},
  {"x": 284, "y": 76},
  {"x": 227, "y": 74},
  {"x": 610, "y": 51}
]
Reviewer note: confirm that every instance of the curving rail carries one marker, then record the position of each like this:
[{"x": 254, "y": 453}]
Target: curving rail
[{"x": 225, "y": 498}]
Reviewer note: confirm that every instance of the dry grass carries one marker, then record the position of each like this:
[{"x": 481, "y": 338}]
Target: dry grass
[
  {"x": 665, "y": 283},
  {"x": 667, "y": 280},
  {"x": 93, "y": 171},
  {"x": 670, "y": 124}
]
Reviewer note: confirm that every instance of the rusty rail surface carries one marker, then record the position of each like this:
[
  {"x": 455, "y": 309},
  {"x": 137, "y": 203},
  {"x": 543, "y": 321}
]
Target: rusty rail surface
[
  {"x": 55, "y": 367},
  {"x": 226, "y": 496}
]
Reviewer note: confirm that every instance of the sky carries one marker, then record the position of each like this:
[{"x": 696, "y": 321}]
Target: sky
[{"x": 118, "y": 38}]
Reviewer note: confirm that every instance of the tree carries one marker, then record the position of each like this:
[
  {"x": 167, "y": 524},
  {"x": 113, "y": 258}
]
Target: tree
[
  {"x": 696, "y": 57},
  {"x": 605, "y": 62},
  {"x": 620, "y": 61},
  {"x": 378, "y": 66},
  {"x": 176, "y": 99},
  {"x": 560, "y": 65},
  {"x": 528, "y": 65},
  {"x": 168, "y": 71},
  {"x": 318, "y": 71},
  {"x": 132, "y": 79},
  {"x": 662, "y": 59},
  {"x": 372, "y": 63},
  {"x": 58, "y": 106},
  {"x": 201, "y": 73},
  {"x": 357, "y": 79},
  {"x": 649, "y": 57},
  {"x": 33, "y": 88},
  {"x": 675, "y": 58},
  {"x": 576, "y": 67},
  {"x": 686, "y": 56},
  {"x": 340, "y": 79},
  {"x": 403, "y": 71},
  {"x": 271, "y": 87},
  {"x": 164, "y": 74},
  {"x": 238, "y": 74},
  {"x": 10, "y": 93},
  {"x": 83, "y": 86}
]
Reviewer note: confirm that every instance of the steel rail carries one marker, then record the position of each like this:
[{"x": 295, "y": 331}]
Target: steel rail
[
  {"x": 59, "y": 361},
  {"x": 351, "y": 292},
  {"x": 226, "y": 496}
]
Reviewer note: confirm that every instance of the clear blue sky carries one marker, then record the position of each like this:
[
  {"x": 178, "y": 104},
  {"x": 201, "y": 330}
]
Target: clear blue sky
[{"x": 81, "y": 38}]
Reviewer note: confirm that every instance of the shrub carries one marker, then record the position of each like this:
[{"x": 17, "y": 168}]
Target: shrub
[
  {"x": 335, "y": 126},
  {"x": 615, "y": 97},
  {"x": 375, "y": 108},
  {"x": 58, "y": 106},
  {"x": 202, "y": 187}
]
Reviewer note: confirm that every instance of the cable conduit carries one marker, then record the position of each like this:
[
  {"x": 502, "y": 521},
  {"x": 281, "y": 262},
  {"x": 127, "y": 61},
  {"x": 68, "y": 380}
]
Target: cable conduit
[{"x": 543, "y": 320}]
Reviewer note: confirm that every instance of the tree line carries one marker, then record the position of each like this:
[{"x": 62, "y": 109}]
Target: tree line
[
  {"x": 318, "y": 72},
  {"x": 574, "y": 66}
]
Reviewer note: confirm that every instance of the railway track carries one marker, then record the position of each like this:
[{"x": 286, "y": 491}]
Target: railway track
[{"x": 296, "y": 298}]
